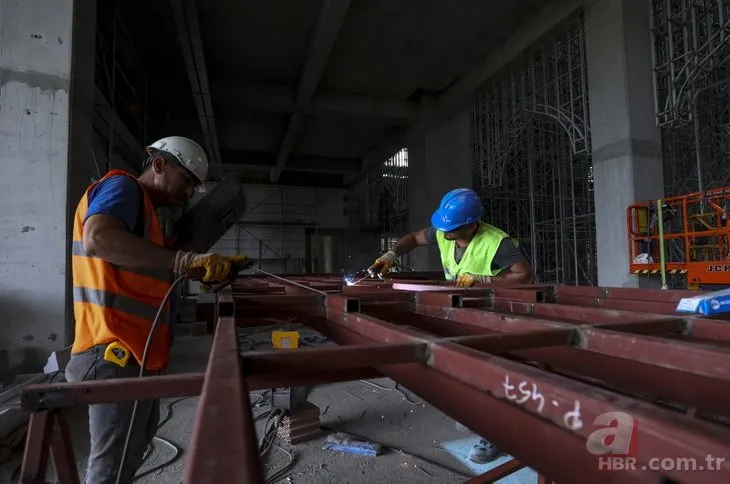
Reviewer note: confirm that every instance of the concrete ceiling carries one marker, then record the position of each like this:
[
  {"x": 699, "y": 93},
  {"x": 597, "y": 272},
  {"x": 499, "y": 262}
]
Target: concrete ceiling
[{"x": 307, "y": 88}]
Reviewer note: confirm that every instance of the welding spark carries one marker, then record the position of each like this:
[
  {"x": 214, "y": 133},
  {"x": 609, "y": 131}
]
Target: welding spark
[{"x": 349, "y": 280}]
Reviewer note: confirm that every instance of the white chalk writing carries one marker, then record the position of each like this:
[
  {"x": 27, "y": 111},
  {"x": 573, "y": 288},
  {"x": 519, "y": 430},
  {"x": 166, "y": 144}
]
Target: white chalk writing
[
  {"x": 527, "y": 391},
  {"x": 571, "y": 419},
  {"x": 524, "y": 391}
]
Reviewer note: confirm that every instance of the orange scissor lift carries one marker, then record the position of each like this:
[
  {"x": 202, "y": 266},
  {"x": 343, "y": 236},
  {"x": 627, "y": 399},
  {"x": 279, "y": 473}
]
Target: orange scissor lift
[{"x": 687, "y": 234}]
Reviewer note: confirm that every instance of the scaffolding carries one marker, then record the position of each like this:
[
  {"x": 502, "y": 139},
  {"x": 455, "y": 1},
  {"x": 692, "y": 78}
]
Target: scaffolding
[
  {"x": 691, "y": 73},
  {"x": 531, "y": 147},
  {"x": 379, "y": 203}
]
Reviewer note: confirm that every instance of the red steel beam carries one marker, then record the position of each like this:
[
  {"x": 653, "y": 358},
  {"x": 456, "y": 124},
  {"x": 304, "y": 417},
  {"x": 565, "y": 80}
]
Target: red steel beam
[
  {"x": 699, "y": 327},
  {"x": 659, "y": 295},
  {"x": 699, "y": 359},
  {"x": 313, "y": 360},
  {"x": 262, "y": 369},
  {"x": 570, "y": 404},
  {"x": 37, "y": 447},
  {"x": 509, "y": 342},
  {"x": 545, "y": 449},
  {"x": 223, "y": 446},
  {"x": 39, "y": 397},
  {"x": 693, "y": 388},
  {"x": 53, "y": 395},
  {"x": 646, "y": 306}
]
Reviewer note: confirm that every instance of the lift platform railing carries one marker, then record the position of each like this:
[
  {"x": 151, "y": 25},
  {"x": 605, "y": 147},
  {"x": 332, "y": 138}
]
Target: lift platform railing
[{"x": 692, "y": 230}]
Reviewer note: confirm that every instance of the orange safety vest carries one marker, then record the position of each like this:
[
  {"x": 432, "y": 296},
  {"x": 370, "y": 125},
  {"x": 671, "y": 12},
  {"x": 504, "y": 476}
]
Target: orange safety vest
[{"x": 115, "y": 303}]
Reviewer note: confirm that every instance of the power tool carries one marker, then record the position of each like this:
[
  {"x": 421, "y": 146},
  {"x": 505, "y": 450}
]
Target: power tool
[{"x": 236, "y": 267}]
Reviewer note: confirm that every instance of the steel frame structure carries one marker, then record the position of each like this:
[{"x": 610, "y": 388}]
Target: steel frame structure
[
  {"x": 531, "y": 147},
  {"x": 531, "y": 367},
  {"x": 690, "y": 52}
]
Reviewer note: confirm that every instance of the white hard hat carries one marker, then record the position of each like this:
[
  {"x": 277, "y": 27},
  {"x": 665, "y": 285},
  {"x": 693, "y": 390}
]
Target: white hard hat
[{"x": 189, "y": 153}]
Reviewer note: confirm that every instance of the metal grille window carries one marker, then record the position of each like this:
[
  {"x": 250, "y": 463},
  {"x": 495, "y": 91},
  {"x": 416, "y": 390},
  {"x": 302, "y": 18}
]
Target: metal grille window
[
  {"x": 379, "y": 201},
  {"x": 691, "y": 56},
  {"x": 531, "y": 147},
  {"x": 691, "y": 52}
]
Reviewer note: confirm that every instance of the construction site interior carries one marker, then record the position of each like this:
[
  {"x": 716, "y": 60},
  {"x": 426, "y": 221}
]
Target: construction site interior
[{"x": 596, "y": 132}]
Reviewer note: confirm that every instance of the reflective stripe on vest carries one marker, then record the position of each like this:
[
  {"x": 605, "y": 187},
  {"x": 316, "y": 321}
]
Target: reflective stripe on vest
[
  {"x": 478, "y": 256},
  {"x": 116, "y": 303},
  {"x": 119, "y": 302},
  {"x": 77, "y": 248}
]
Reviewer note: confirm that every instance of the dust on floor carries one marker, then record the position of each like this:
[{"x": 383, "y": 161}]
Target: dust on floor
[{"x": 418, "y": 436}]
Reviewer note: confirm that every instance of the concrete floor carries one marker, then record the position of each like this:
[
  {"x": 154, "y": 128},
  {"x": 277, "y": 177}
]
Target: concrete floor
[{"x": 354, "y": 407}]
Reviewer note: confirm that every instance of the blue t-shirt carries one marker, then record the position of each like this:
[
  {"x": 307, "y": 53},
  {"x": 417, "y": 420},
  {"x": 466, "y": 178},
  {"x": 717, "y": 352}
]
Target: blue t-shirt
[{"x": 121, "y": 197}]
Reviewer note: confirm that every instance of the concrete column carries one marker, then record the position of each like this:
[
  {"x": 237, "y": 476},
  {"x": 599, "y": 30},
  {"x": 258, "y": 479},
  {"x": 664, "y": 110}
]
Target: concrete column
[
  {"x": 627, "y": 157},
  {"x": 439, "y": 160},
  {"x": 38, "y": 40}
]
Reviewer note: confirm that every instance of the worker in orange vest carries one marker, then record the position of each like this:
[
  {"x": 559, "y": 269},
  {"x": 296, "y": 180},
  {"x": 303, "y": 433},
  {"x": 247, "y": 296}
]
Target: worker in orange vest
[{"x": 121, "y": 274}]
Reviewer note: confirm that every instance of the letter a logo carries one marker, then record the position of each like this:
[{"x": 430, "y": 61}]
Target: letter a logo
[{"x": 617, "y": 434}]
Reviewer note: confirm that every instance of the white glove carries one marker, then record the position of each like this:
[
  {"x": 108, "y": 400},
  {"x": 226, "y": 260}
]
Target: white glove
[{"x": 383, "y": 263}]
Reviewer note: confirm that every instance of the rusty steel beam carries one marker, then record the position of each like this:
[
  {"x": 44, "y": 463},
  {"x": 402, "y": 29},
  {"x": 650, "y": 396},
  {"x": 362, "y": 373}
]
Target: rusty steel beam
[
  {"x": 263, "y": 370},
  {"x": 696, "y": 389},
  {"x": 510, "y": 342},
  {"x": 698, "y": 327},
  {"x": 659, "y": 295},
  {"x": 567, "y": 403},
  {"x": 188, "y": 384},
  {"x": 37, "y": 447},
  {"x": 55, "y": 395},
  {"x": 655, "y": 307},
  {"x": 223, "y": 446},
  {"x": 545, "y": 449},
  {"x": 321, "y": 360},
  {"x": 711, "y": 361}
]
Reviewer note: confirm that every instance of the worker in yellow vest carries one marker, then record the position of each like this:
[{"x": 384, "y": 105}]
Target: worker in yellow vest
[
  {"x": 471, "y": 251},
  {"x": 121, "y": 274}
]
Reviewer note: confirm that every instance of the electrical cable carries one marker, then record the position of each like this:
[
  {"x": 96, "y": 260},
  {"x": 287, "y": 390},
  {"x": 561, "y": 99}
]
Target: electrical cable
[
  {"x": 177, "y": 453},
  {"x": 268, "y": 441},
  {"x": 394, "y": 389},
  {"x": 142, "y": 365},
  {"x": 281, "y": 473}
]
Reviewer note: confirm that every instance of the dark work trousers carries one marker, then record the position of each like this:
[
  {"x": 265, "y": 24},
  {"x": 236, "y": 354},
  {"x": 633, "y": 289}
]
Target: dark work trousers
[{"x": 109, "y": 422}]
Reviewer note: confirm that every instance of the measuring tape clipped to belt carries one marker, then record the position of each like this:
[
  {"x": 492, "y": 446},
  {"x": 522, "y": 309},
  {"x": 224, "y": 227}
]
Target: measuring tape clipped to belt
[{"x": 117, "y": 353}]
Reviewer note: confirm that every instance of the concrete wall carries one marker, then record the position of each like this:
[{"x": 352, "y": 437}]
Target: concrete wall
[
  {"x": 627, "y": 161},
  {"x": 36, "y": 96},
  {"x": 439, "y": 160}
]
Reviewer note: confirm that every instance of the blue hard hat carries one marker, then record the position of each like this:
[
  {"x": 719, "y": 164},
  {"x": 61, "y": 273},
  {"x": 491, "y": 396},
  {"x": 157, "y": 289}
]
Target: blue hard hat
[{"x": 458, "y": 207}]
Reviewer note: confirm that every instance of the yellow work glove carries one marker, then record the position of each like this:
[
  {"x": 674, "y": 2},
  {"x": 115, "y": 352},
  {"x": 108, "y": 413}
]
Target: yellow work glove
[
  {"x": 233, "y": 259},
  {"x": 206, "y": 267},
  {"x": 383, "y": 263},
  {"x": 468, "y": 280}
]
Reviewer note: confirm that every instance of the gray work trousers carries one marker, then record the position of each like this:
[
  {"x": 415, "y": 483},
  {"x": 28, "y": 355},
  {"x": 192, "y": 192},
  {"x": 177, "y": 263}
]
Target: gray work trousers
[{"x": 109, "y": 422}]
